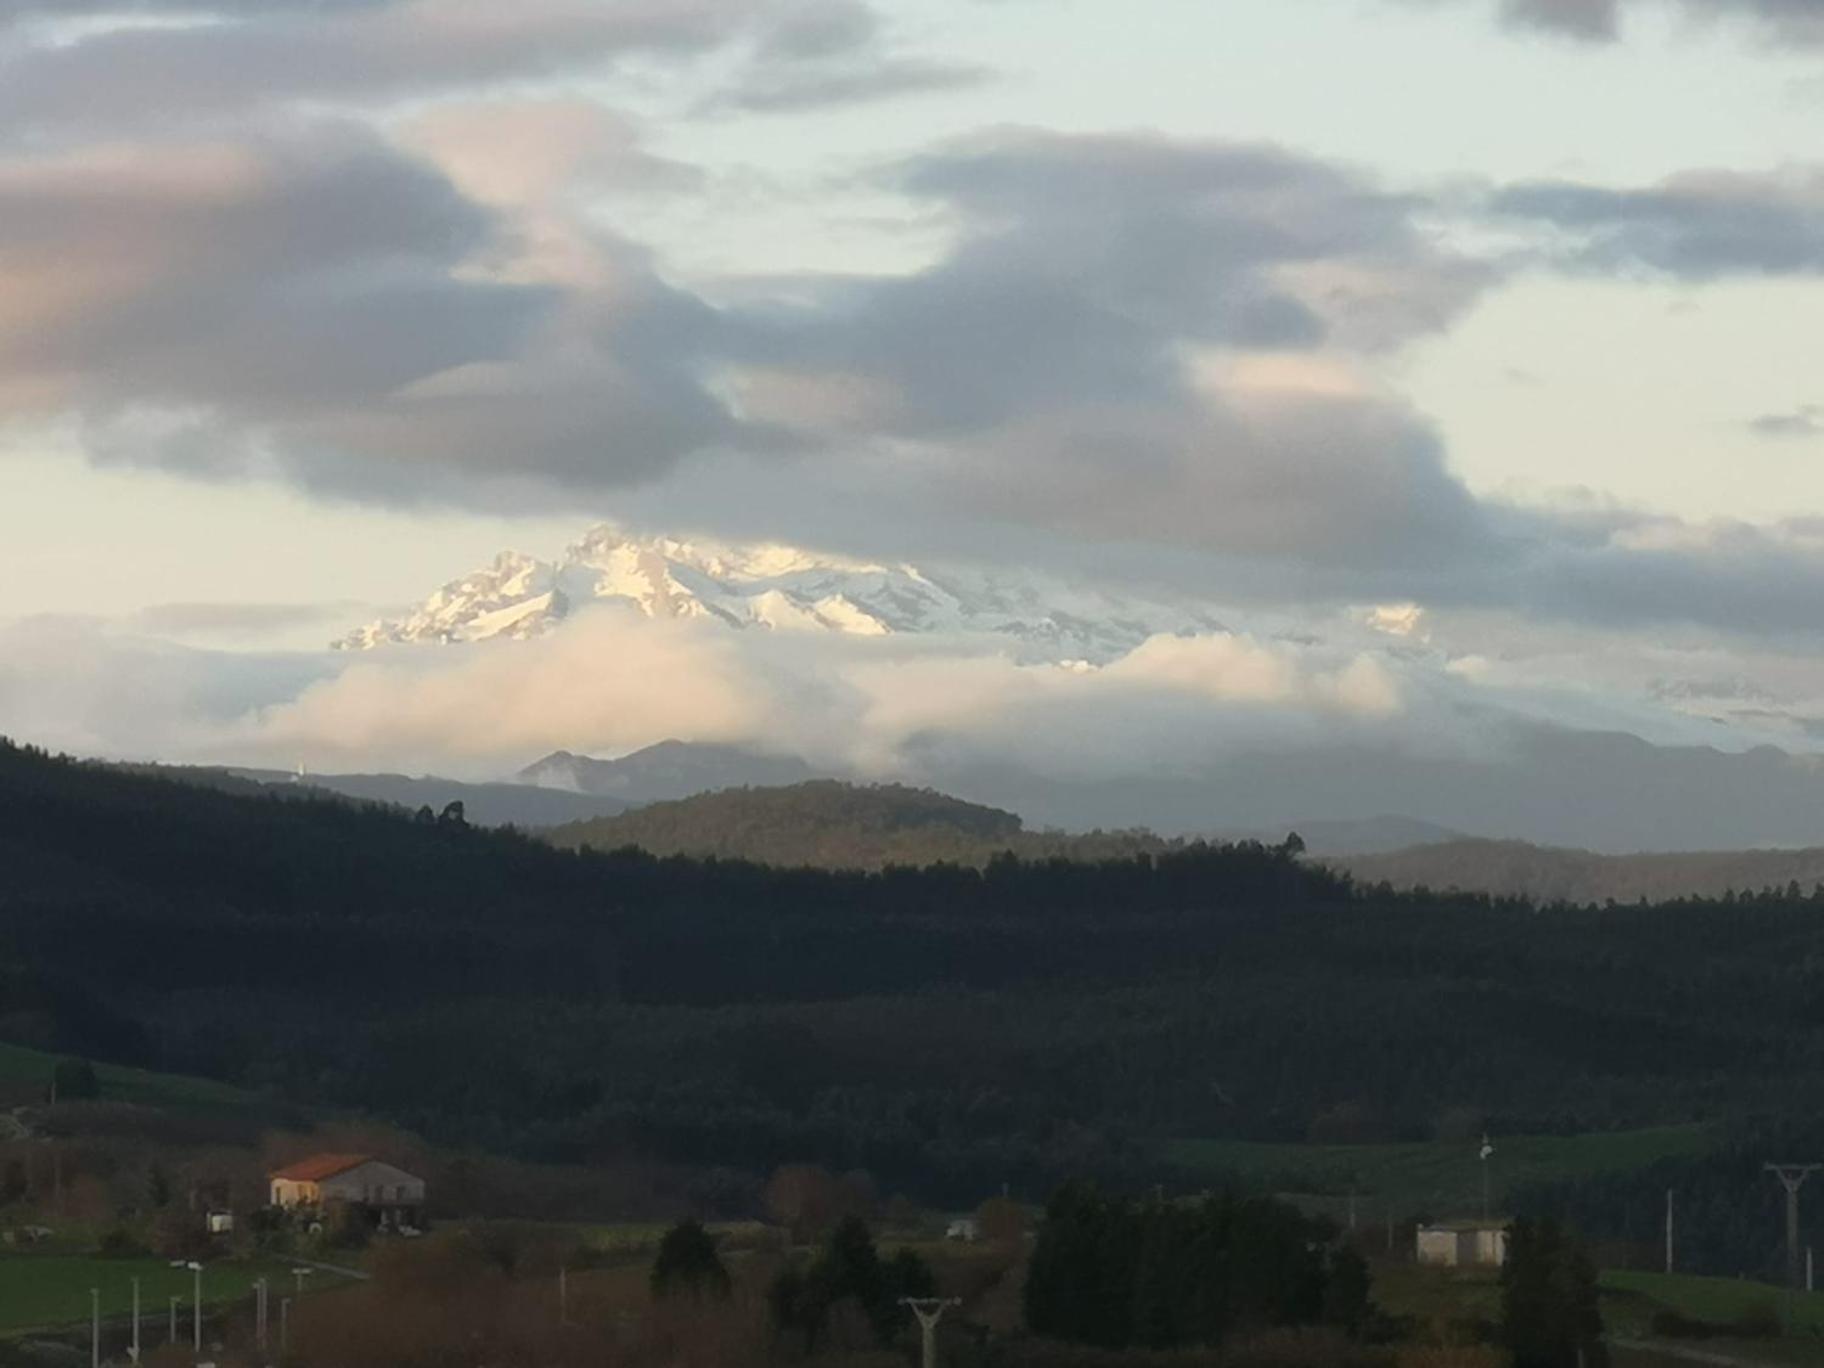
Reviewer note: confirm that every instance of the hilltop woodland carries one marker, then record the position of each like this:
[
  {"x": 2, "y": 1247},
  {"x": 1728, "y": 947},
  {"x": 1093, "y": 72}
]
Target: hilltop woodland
[
  {"x": 827, "y": 824},
  {"x": 947, "y": 1030}
]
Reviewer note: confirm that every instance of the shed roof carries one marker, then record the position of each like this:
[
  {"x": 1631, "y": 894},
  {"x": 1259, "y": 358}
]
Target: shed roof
[{"x": 320, "y": 1166}]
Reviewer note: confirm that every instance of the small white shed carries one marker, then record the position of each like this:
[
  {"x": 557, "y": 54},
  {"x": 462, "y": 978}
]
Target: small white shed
[{"x": 1463, "y": 1244}]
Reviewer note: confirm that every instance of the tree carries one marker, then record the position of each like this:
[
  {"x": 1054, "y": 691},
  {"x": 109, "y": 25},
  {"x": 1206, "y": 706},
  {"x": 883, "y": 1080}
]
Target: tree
[
  {"x": 803, "y": 1198},
  {"x": 1550, "y": 1317},
  {"x": 74, "y": 1080},
  {"x": 1001, "y": 1221},
  {"x": 688, "y": 1264},
  {"x": 1346, "y": 1304},
  {"x": 1164, "y": 1275},
  {"x": 848, "y": 1271}
]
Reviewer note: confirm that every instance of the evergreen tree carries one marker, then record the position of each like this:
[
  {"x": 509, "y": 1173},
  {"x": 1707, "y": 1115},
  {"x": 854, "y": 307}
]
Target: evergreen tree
[
  {"x": 687, "y": 1263},
  {"x": 1549, "y": 1312},
  {"x": 74, "y": 1080}
]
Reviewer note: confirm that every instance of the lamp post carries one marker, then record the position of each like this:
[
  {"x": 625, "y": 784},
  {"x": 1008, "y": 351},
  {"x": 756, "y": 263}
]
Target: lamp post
[
  {"x": 284, "y": 1325},
  {"x": 133, "y": 1353},
  {"x": 171, "y": 1334},
  {"x": 196, "y": 1324}
]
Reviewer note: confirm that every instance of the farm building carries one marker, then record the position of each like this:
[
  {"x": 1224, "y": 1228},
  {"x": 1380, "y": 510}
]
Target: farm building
[
  {"x": 1463, "y": 1244},
  {"x": 359, "y": 1179}
]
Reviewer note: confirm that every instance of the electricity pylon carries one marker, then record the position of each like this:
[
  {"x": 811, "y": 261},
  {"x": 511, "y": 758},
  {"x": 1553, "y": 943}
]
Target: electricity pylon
[
  {"x": 1792, "y": 1177},
  {"x": 929, "y": 1310}
]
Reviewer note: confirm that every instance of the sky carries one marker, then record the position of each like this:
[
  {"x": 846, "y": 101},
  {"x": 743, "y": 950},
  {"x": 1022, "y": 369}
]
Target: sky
[{"x": 1501, "y": 315}]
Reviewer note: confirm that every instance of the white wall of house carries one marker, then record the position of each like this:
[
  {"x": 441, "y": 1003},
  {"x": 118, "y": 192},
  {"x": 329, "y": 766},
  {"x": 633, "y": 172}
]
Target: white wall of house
[
  {"x": 369, "y": 1184},
  {"x": 374, "y": 1184}
]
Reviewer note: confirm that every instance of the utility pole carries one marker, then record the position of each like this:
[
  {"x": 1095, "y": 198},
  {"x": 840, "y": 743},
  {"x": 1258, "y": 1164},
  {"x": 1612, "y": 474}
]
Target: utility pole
[
  {"x": 1792, "y": 1177},
  {"x": 1668, "y": 1230},
  {"x": 929, "y": 1310}
]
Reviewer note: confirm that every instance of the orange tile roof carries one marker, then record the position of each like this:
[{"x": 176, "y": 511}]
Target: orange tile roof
[{"x": 320, "y": 1166}]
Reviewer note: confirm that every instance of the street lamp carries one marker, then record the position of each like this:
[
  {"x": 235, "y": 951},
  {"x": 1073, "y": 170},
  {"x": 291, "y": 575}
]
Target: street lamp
[{"x": 196, "y": 1330}]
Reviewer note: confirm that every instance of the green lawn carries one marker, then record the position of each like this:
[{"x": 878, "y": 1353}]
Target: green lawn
[
  {"x": 41, "y": 1291},
  {"x": 1435, "y": 1179},
  {"x": 175, "y": 1092},
  {"x": 1709, "y": 1299}
]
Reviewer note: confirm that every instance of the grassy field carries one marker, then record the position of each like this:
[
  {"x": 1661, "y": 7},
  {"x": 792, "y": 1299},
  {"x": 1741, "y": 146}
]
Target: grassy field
[
  {"x": 1433, "y": 1179},
  {"x": 43, "y": 1291},
  {"x": 1440, "y": 1298},
  {"x": 19, "y": 1065},
  {"x": 1717, "y": 1300}
]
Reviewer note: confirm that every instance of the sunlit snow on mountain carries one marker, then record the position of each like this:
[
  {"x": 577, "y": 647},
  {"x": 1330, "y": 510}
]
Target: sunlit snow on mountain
[{"x": 781, "y": 588}]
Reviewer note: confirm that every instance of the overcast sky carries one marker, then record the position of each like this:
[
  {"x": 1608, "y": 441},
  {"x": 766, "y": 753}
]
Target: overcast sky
[{"x": 1511, "y": 311}]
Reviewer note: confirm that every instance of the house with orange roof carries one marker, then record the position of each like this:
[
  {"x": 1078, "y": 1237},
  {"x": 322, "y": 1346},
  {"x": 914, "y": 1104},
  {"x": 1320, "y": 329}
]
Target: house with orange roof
[{"x": 390, "y": 1194}]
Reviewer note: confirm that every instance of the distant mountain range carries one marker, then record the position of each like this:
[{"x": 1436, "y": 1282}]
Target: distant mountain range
[
  {"x": 668, "y": 770},
  {"x": 483, "y": 804},
  {"x": 781, "y": 588}
]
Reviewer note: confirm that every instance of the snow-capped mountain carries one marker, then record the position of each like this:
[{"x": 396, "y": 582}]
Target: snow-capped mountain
[{"x": 780, "y": 588}]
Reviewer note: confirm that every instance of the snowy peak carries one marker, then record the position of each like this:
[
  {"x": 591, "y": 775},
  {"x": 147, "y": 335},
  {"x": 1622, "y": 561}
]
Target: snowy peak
[
  {"x": 516, "y": 596},
  {"x": 770, "y": 587}
]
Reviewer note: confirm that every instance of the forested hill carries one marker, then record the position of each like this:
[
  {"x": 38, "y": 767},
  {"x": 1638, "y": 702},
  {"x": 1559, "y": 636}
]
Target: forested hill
[
  {"x": 949, "y": 1029},
  {"x": 831, "y": 825},
  {"x": 1548, "y": 874}
]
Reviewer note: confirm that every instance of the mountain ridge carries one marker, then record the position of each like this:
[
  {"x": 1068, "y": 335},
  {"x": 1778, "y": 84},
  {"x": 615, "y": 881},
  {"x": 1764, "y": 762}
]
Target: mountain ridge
[{"x": 775, "y": 587}]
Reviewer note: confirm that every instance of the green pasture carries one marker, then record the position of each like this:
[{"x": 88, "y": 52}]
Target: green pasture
[
  {"x": 20, "y": 1065},
  {"x": 43, "y": 1291},
  {"x": 1434, "y": 1178}
]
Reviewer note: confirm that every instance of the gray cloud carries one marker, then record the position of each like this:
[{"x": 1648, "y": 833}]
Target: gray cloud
[
  {"x": 1697, "y": 225},
  {"x": 1800, "y": 21},
  {"x": 786, "y": 90},
  {"x": 1805, "y": 421},
  {"x": 310, "y": 300},
  {"x": 817, "y": 53},
  {"x": 356, "y": 54},
  {"x": 1594, "y": 19},
  {"x": 1042, "y": 364},
  {"x": 348, "y": 54}
]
